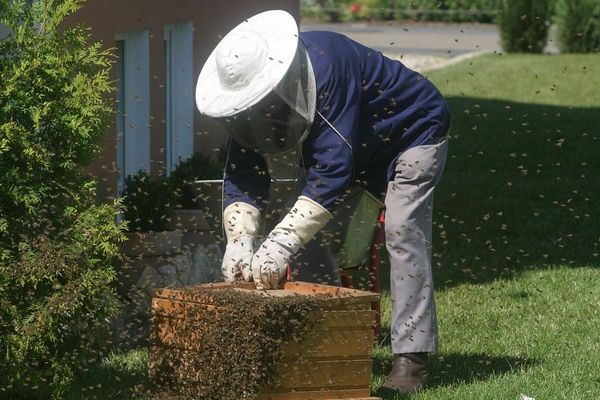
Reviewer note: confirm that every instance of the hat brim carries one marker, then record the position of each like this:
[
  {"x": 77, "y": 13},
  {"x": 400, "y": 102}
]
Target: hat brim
[{"x": 280, "y": 31}]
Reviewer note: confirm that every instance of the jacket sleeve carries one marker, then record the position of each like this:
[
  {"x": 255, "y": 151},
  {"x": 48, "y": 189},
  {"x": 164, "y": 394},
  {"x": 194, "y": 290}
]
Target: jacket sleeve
[
  {"x": 332, "y": 142},
  {"x": 247, "y": 178}
]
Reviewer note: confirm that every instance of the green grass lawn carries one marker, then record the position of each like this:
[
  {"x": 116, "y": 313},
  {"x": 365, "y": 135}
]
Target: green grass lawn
[
  {"x": 517, "y": 232},
  {"x": 516, "y": 242},
  {"x": 535, "y": 334}
]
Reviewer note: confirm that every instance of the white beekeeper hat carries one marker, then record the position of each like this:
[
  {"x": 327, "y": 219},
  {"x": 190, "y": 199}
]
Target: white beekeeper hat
[{"x": 247, "y": 64}]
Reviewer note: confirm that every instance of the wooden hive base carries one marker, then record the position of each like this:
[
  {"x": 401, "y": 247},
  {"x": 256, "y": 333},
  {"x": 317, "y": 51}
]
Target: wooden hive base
[
  {"x": 321, "y": 395},
  {"x": 332, "y": 361}
]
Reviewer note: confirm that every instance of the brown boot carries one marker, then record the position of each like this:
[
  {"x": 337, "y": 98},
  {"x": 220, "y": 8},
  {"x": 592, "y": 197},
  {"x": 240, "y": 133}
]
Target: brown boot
[{"x": 408, "y": 374}]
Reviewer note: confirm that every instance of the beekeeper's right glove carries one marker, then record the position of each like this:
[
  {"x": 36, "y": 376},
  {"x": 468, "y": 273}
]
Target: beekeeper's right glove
[
  {"x": 298, "y": 227},
  {"x": 241, "y": 222}
]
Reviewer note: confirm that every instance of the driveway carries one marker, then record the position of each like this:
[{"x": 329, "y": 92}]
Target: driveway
[
  {"x": 421, "y": 46},
  {"x": 445, "y": 40}
]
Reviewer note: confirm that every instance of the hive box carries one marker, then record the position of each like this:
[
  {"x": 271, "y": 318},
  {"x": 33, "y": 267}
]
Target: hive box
[{"x": 333, "y": 361}]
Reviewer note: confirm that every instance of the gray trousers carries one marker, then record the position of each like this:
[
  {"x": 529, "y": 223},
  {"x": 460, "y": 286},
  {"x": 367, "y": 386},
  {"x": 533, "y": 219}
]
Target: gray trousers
[{"x": 408, "y": 220}]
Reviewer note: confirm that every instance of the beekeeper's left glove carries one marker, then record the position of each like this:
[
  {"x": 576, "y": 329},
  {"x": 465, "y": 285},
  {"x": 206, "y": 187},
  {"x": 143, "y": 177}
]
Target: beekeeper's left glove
[{"x": 298, "y": 227}]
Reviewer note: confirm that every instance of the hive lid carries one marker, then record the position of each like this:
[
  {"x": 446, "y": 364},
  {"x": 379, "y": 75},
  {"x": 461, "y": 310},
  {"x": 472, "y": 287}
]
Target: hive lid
[{"x": 329, "y": 295}]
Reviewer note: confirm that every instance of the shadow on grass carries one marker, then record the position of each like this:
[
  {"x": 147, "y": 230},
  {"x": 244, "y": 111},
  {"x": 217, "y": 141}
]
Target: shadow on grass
[
  {"x": 449, "y": 369},
  {"x": 100, "y": 383},
  {"x": 117, "y": 378},
  {"x": 460, "y": 368},
  {"x": 519, "y": 191}
]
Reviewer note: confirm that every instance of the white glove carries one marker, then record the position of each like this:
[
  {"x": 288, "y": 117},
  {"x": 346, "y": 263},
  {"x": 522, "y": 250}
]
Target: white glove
[
  {"x": 298, "y": 227},
  {"x": 241, "y": 222},
  {"x": 237, "y": 259},
  {"x": 269, "y": 264}
]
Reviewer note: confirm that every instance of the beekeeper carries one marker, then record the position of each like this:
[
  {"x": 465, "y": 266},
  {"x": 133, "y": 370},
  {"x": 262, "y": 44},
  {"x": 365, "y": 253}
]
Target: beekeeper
[{"x": 342, "y": 114}]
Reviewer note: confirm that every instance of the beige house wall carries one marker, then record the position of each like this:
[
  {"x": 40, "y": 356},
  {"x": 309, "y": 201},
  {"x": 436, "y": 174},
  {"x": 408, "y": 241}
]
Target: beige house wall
[{"x": 211, "y": 20}]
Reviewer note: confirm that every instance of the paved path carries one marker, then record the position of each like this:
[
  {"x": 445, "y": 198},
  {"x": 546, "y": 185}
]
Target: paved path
[
  {"x": 430, "y": 39},
  {"x": 421, "y": 46}
]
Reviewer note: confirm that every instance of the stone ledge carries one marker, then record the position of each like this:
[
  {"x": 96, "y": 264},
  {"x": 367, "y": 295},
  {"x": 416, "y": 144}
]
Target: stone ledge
[
  {"x": 151, "y": 243},
  {"x": 188, "y": 220}
]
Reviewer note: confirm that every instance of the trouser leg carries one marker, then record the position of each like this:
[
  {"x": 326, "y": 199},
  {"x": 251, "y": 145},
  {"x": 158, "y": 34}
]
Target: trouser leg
[{"x": 408, "y": 218}]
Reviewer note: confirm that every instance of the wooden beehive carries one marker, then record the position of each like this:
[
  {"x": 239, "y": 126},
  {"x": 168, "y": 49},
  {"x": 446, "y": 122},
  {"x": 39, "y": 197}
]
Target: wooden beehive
[{"x": 332, "y": 361}]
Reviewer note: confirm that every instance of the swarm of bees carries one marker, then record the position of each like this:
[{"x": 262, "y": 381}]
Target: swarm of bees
[{"x": 227, "y": 349}]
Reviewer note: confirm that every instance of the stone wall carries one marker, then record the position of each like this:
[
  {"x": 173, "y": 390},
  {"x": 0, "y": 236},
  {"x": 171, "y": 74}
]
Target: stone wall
[{"x": 187, "y": 254}]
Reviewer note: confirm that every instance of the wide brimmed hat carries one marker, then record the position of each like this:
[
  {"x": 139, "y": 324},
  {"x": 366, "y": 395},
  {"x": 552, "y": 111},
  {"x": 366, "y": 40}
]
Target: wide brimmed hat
[{"x": 247, "y": 64}]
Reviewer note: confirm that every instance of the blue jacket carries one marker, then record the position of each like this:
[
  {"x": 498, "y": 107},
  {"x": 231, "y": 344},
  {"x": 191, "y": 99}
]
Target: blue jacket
[{"x": 379, "y": 106}]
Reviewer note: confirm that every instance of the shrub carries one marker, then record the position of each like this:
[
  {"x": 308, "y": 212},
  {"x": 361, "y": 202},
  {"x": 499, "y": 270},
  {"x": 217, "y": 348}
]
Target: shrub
[
  {"x": 194, "y": 168},
  {"x": 56, "y": 245},
  {"x": 524, "y": 25},
  {"x": 55, "y": 300},
  {"x": 52, "y": 112},
  {"x": 578, "y": 24},
  {"x": 385, "y": 9},
  {"x": 148, "y": 202},
  {"x": 323, "y": 9},
  {"x": 448, "y": 10},
  {"x": 424, "y": 10}
]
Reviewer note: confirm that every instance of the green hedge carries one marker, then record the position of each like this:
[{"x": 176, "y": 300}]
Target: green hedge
[
  {"x": 56, "y": 244},
  {"x": 197, "y": 167},
  {"x": 149, "y": 202},
  {"x": 524, "y": 25},
  {"x": 422, "y": 10},
  {"x": 446, "y": 10},
  {"x": 578, "y": 23}
]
